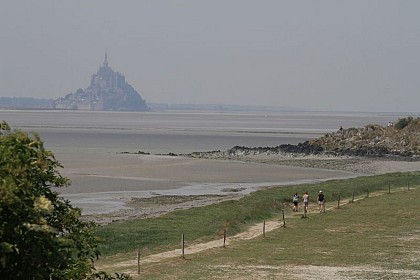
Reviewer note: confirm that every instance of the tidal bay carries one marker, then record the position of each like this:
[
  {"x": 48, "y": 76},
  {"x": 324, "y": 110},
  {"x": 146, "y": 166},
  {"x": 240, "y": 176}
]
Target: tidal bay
[{"x": 97, "y": 150}]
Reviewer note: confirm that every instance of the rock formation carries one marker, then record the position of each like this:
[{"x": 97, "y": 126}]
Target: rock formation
[
  {"x": 401, "y": 140},
  {"x": 108, "y": 90}
]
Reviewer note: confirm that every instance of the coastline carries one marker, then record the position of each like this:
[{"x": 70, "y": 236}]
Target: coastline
[
  {"x": 361, "y": 165},
  {"x": 162, "y": 202}
]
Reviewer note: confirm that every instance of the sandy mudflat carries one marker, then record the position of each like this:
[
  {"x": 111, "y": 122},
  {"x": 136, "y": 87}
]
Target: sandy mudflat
[
  {"x": 128, "y": 173},
  {"x": 110, "y": 187}
]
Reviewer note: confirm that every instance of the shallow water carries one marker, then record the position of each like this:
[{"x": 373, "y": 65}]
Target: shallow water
[
  {"x": 75, "y": 131},
  {"x": 88, "y": 145}
]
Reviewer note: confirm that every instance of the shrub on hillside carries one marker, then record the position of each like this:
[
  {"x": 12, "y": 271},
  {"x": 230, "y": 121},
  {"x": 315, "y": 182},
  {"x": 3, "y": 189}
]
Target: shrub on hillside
[
  {"x": 403, "y": 122},
  {"x": 41, "y": 235}
]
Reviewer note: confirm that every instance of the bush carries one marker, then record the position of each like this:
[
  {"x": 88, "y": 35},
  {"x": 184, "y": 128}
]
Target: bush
[
  {"x": 41, "y": 236},
  {"x": 401, "y": 123}
]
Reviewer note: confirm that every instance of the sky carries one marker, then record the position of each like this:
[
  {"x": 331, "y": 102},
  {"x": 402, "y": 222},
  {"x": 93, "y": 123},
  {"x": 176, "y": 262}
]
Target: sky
[{"x": 358, "y": 55}]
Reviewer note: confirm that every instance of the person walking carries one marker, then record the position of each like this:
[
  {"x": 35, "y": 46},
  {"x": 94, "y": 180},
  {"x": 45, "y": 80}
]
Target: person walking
[
  {"x": 295, "y": 202},
  {"x": 305, "y": 202},
  {"x": 321, "y": 201}
]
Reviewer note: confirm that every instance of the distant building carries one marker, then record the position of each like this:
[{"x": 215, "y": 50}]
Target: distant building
[{"x": 108, "y": 90}]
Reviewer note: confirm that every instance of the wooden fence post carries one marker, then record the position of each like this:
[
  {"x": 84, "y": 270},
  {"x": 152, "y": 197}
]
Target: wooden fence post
[
  {"x": 138, "y": 261},
  {"x": 284, "y": 221},
  {"x": 352, "y": 200},
  {"x": 389, "y": 188},
  {"x": 338, "y": 202},
  {"x": 183, "y": 245},
  {"x": 224, "y": 238},
  {"x": 264, "y": 229}
]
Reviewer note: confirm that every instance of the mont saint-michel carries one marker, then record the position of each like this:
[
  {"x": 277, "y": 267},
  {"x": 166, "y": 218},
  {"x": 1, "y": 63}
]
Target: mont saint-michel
[{"x": 108, "y": 91}]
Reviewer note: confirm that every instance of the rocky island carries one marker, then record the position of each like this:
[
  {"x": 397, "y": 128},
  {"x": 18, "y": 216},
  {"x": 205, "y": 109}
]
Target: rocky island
[
  {"x": 362, "y": 150},
  {"x": 400, "y": 140},
  {"x": 108, "y": 91}
]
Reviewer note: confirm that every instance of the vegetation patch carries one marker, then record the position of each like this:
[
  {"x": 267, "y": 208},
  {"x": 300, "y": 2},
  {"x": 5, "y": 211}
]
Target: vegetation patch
[
  {"x": 208, "y": 223},
  {"x": 363, "y": 240}
]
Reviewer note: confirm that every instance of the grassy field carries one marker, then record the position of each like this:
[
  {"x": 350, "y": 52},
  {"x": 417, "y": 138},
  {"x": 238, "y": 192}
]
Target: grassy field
[{"x": 376, "y": 237}]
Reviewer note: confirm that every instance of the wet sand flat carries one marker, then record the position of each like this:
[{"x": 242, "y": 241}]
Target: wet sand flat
[
  {"x": 127, "y": 172},
  {"x": 105, "y": 182}
]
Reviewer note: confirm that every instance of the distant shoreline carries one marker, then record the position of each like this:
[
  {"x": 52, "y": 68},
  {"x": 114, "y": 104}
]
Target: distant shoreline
[{"x": 214, "y": 108}]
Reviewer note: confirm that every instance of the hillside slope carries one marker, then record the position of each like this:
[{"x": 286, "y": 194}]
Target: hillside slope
[{"x": 399, "y": 140}]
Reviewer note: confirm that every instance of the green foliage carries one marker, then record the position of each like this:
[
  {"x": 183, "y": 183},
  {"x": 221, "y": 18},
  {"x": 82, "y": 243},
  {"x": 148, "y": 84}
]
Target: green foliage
[
  {"x": 104, "y": 276},
  {"x": 403, "y": 122},
  {"x": 41, "y": 236}
]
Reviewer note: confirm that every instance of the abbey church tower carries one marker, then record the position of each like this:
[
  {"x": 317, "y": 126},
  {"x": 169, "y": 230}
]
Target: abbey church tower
[{"x": 108, "y": 90}]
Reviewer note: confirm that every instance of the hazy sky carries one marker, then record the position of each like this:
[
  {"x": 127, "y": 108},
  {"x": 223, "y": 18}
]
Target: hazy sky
[{"x": 325, "y": 55}]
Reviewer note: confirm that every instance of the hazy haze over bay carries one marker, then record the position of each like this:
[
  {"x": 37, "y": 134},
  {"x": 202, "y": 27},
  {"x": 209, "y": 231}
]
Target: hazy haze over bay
[{"x": 324, "y": 55}]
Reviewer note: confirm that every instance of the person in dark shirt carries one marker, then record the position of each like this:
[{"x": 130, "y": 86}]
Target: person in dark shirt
[
  {"x": 321, "y": 201},
  {"x": 295, "y": 202}
]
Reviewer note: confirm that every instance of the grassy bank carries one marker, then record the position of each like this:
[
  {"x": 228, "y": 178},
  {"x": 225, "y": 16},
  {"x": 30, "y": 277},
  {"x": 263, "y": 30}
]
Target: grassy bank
[
  {"x": 207, "y": 223},
  {"x": 373, "y": 238}
]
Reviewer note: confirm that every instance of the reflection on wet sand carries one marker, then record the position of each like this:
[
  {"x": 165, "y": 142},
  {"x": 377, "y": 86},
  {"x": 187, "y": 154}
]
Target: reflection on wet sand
[{"x": 103, "y": 183}]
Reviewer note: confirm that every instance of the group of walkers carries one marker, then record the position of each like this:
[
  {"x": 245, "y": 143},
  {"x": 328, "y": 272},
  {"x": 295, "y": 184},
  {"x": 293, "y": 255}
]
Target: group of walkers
[{"x": 320, "y": 200}]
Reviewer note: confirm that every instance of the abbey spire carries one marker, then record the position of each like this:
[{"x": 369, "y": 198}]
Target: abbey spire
[{"x": 106, "y": 59}]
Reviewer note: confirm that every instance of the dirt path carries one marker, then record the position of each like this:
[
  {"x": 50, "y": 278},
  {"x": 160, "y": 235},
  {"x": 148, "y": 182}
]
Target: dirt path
[{"x": 252, "y": 232}]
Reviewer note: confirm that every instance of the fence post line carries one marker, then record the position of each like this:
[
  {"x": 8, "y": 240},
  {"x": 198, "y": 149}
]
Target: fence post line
[
  {"x": 224, "y": 238},
  {"x": 183, "y": 245},
  {"x": 408, "y": 184},
  {"x": 138, "y": 261},
  {"x": 284, "y": 221},
  {"x": 352, "y": 200},
  {"x": 389, "y": 188}
]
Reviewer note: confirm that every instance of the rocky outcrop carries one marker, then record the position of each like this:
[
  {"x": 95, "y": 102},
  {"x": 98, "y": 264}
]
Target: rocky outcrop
[
  {"x": 302, "y": 148},
  {"x": 369, "y": 141},
  {"x": 374, "y": 140}
]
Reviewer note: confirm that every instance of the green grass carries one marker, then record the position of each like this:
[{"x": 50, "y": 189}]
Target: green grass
[
  {"x": 207, "y": 223},
  {"x": 374, "y": 238}
]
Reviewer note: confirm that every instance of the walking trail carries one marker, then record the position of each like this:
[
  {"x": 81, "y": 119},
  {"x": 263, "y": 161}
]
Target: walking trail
[{"x": 252, "y": 232}]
